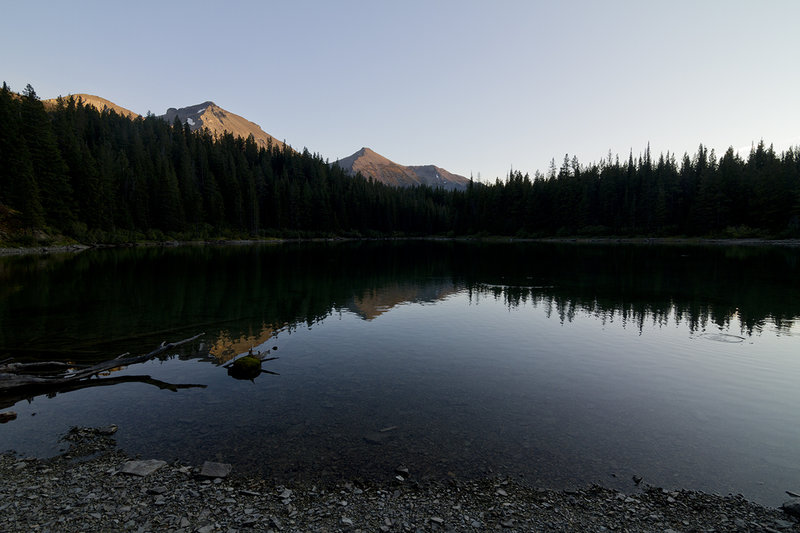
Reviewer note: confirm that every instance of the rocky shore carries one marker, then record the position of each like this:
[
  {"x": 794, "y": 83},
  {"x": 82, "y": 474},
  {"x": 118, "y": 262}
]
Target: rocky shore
[{"x": 95, "y": 487}]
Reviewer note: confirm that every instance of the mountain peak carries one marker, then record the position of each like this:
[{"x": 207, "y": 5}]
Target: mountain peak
[
  {"x": 371, "y": 164},
  {"x": 217, "y": 120}
]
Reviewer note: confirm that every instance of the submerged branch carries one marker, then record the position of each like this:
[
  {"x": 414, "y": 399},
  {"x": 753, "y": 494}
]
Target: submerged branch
[
  {"x": 11, "y": 378},
  {"x": 10, "y": 398}
]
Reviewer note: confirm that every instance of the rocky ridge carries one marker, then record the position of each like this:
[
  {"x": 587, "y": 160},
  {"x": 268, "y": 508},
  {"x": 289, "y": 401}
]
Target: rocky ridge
[
  {"x": 210, "y": 116},
  {"x": 87, "y": 489}
]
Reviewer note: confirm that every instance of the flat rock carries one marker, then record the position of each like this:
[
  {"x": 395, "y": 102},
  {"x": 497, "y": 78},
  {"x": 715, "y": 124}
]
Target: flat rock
[
  {"x": 211, "y": 469},
  {"x": 142, "y": 468}
]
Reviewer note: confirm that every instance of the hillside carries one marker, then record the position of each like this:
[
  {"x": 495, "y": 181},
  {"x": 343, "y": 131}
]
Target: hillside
[
  {"x": 97, "y": 102},
  {"x": 379, "y": 168}
]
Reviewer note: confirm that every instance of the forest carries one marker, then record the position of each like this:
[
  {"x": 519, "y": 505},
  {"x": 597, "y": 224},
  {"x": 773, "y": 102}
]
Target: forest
[{"x": 97, "y": 177}]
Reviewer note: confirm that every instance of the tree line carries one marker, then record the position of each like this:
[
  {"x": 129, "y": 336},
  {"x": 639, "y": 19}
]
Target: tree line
[{"x": 97, "y": 176}]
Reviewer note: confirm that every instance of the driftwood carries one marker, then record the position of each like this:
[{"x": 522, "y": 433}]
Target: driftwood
[
  {"x": 11, "y": 398},
  {"x": 58, "y": 374}
]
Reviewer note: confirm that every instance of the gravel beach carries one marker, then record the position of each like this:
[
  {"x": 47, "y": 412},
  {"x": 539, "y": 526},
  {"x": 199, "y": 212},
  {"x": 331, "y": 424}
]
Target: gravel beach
[{"x": 87, "y": 489}]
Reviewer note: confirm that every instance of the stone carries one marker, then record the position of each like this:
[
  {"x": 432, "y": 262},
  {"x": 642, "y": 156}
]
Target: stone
[
  {"x": 347, "y": 522},
  {"x": 107, "y": 430},
  {"x": 142, "y": 468},
  {"x": 247, "y": 367},
  {"x": 792, "y": 507},
  {"x": 286, "y": 494},
  {"x": 161, "y": 489},
  {"x": 507, "y": 523},
  {"x": 376, "y": 437},
  {"x": 501, "y": 492},
  {"x": 215, "y": 470},
  {"x": 437, "y": 520},
  {"x": 7, "y": 416}
]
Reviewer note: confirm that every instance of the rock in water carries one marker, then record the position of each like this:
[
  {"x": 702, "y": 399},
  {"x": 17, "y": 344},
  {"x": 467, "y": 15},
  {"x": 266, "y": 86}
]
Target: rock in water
[
  {"x": 142, "y": 468},
  {"x": 7, "y": 416},
  {"x": 792, "y": 507},
  {"x": 247, "y": 367},
  {"x": 215, "y": 469}
]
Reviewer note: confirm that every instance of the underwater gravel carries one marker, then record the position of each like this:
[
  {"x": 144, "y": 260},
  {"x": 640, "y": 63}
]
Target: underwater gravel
[{"x": 85, "y": 490}]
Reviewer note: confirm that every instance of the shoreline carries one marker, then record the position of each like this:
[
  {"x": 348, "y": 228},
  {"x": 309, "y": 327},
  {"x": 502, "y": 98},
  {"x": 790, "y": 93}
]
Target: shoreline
[
  {"x": 85, "y": 489},
  {"x": 655, "y": 241}
]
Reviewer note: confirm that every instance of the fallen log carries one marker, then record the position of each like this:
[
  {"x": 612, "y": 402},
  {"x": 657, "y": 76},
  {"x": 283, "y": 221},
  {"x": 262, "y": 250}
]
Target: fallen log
[
  {"x": 10, "y": 379},
  {"x": 38, "y": 366}
]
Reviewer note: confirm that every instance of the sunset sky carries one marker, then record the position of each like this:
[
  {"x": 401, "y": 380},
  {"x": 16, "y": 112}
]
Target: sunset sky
[{"x": 474, "y": 87}]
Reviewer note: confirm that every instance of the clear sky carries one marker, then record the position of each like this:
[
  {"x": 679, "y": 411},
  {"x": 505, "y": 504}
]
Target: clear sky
[{"x": 474, "y": 87}]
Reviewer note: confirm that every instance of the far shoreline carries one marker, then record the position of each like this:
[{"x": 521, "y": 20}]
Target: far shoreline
[{"x": 654, "y": 241}]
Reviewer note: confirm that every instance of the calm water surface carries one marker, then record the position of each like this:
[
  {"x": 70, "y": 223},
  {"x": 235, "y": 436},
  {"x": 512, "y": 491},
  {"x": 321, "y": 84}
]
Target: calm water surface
[{"x": 558, "y": 364}]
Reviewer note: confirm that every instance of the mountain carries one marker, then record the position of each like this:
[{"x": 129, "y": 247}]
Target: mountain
[
  {"x": 97, "y": 102},
  {"x": 379, "y": 168},
  {"x": 217, "y": 120}
]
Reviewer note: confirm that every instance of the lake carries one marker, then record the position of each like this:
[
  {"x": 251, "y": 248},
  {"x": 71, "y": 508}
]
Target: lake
[{"x": 559, "y": 364}]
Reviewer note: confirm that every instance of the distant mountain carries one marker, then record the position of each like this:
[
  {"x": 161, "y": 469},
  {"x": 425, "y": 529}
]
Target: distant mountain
[
  {"x": 379, "y": 168},
  {"x": 97, "y": 102},
  {"x": 217, "y": 120}
]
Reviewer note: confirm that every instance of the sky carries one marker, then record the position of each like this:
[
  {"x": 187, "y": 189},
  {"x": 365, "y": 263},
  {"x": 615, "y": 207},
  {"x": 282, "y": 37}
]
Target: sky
[{"x": 477, "y": 88}]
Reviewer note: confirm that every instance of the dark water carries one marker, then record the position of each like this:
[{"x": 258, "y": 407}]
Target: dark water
[{"x": 561, "y": 364}]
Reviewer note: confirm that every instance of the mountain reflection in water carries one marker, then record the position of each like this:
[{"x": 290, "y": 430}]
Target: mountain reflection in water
[
  {"x": 88, "y": 303},
  {"x": 562, "y": 362}
]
